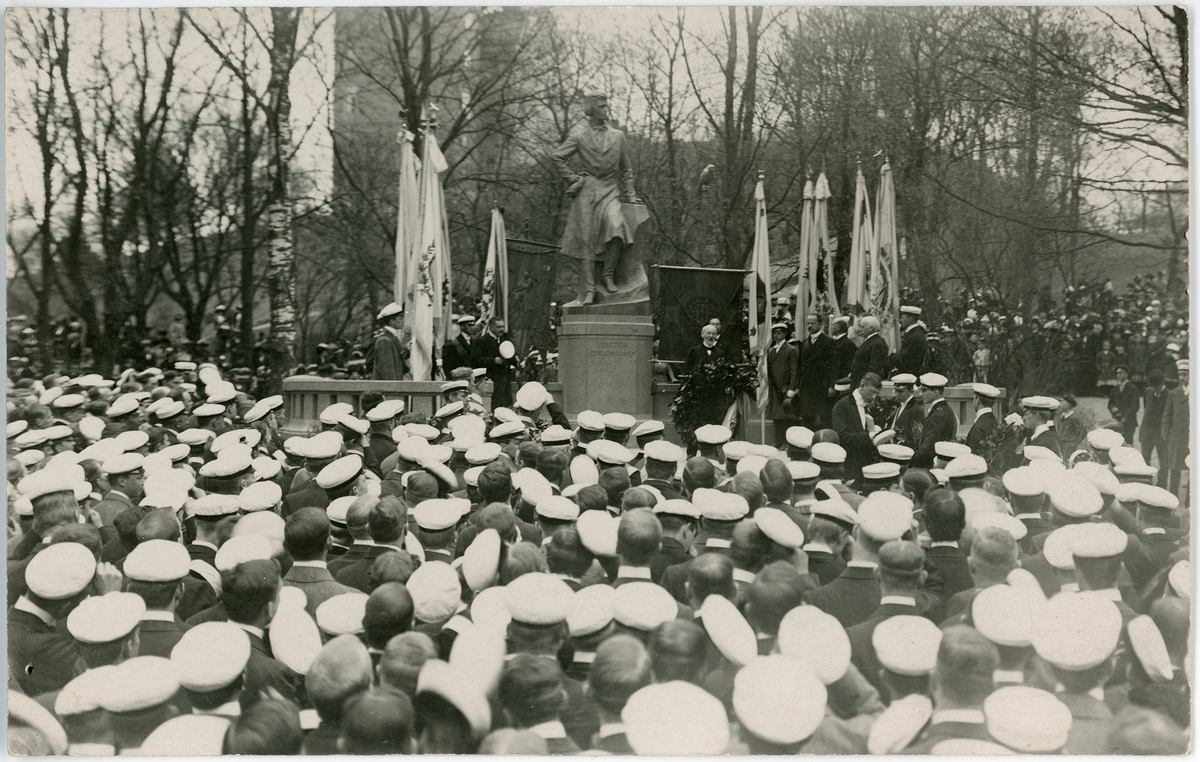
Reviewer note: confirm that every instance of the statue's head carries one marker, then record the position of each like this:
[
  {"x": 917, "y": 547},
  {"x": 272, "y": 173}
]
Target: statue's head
[{"x": 593, "y": 103}]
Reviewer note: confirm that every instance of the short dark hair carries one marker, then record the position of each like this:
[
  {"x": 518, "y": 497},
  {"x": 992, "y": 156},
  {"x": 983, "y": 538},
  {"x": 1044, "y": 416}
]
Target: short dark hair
[
  {"x": 269, "y": 726},
  {"x": 156, "y": 595},
  {"x": 377, "y": 721},
  {"x": 531, "y": 689},
  {"x": 965, "y": 663},
  {"x": 776, "y": 590},
  {"x": 699, "y": 472},
  {"x": 566, "y": 554},
  {"x": 944, "y": 514},
  {"x": 442, "y": 727},
  {"x": 529, "y": 452},
  {"x": 749, "y": 486},
  {"x": 621, "y": 668},
  {"x": 678, "y": 651},
  {"x": 614, "y": 481},
  {"x": 248, "y": 588},
  {"x": 158, "y": 524},
  {"x": 871, "y": 380},
  {"x": 393, "y": 566},
  {"x": 388, "y": 613},
  {"x": 498, "y": 516},
  {"x": 388, "y": 520},
  {"x": 591, "y": 498},
  {"x": 918, "y": 482},
  {"x": 306, "y": 534},
  {"x": 126, "y": 523},
  {"x": 421, "y": 485},
  {"x": 639, "y": 536},
  {"x": 495, "y": 483},
  {"x": 551, "y": 464},
  {"x": 711, "y": 574},
  {"x": 776, "y": 481}
]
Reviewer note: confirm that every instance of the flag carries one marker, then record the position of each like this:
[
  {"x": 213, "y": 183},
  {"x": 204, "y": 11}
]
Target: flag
[
  {"x": 408, "y": 225},
  {"x": 760, "y": 292},
  {"x": 495, "y": 272},
  {"x": 806, "y": 290},
  {"x": 861, "y": 232},
  {"x": 824, "y": 249},
  {"x": 885, "y": 286},
  {"x": 431, "y": 290}
]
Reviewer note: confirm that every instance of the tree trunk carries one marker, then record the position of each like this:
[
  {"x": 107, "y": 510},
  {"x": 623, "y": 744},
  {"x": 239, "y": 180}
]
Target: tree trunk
[
  {"x": 247, "y": 230},
  {"x": 281, "y": 267}
]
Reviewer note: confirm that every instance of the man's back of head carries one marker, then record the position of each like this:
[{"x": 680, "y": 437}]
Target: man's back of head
[
  {"x": 377, "y": 721},
  {"x": 776, "y": 481},
  {"x": 159, "y": 524},
  {"x": 966, "y": 661},
  {"x": 639, "y": 536},
  {"x": 387, "y": 520},
  {"x": 698, "y": 473},
  {"x": 341, "y": 669},
  {"x": 248, "y": 589},
  {"x": 711, "y": 574},
  {"x": 945, "y": 515},
  {"x": 388, "y": 613},
  {"x": 306, "y": 535}
]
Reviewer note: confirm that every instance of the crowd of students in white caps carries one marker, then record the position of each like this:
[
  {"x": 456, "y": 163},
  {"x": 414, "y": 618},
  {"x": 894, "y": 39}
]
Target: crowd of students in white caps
[{"x": 184, "y": 580}]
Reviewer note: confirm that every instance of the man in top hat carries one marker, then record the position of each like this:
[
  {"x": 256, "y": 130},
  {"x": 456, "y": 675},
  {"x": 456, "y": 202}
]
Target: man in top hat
[
  {"x": 1124, "y": 401},
  {"x": 459, "y": 351},
  {"x": 985, "y": 418},
  {"x": 914, "y": 347},
  {"x": 854, "y": 426},
  {"x": 814, "y": 398},
  {"x": 872, "y": 355},
  {"x": 940, "y": 424},
  {"x": 783, "y": 371},
  {"x": 1176, "y": 427},
  {"x": 390, "y": 348}
]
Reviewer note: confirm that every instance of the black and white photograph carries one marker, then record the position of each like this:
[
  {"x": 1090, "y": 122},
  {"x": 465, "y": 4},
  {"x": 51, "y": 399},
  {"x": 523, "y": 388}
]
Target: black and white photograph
[{"x": 598, "y": 380}]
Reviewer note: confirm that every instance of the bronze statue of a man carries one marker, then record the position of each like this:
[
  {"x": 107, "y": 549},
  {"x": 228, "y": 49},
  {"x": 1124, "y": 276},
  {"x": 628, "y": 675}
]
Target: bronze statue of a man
[{"x": 596, "y": 224}]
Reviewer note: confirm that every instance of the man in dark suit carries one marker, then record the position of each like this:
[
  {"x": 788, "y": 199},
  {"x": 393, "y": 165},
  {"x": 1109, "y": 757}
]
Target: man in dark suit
[
  {"x": 306, "y": 539},
  {"x": 940, "y": 423},
  {"x": 843, "y": 348},
  {"x": 499, "y": 369},
  {"x": 852, "y": 424},
  {"x": 387, "y": 524},
  {"x": 41, "y": 654},
  {"x": 1124, "y": 401},
  {"x": 389, "y": 350},
  {"x": 914, "y": 347},
  {"x": 1176, "y": 427},
  {"x": 249, "y": 590},
  {"x": 1039, "y": 422},
  {"x": 872, "y": 355},
  {"x": 963, "y": 680},
  {"x": 901, "y": 574},
  {"x": 459, "y": 352},
  {"x": 945, "y": 519},
  {"x": 910, "y": 415},
  {"x": 985, "y": 418},
  {"x": 705, "y": 352},
  {"x": 155, "y": 570},
  {"x": 782, "y": 378},
  {"x": 814, "y": 398}
]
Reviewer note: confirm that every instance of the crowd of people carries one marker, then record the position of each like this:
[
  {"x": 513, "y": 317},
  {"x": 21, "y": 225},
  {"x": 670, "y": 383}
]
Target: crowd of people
[{"x": 187, "y": 575}]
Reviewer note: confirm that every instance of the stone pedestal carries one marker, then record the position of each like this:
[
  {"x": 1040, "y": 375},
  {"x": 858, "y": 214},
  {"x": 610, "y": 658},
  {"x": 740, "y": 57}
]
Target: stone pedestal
[{"x": 604, "y": 359}]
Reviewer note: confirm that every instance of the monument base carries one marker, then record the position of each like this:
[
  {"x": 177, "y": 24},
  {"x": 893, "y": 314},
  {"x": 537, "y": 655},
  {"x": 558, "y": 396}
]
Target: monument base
[{"x": 605, "y": 361}]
